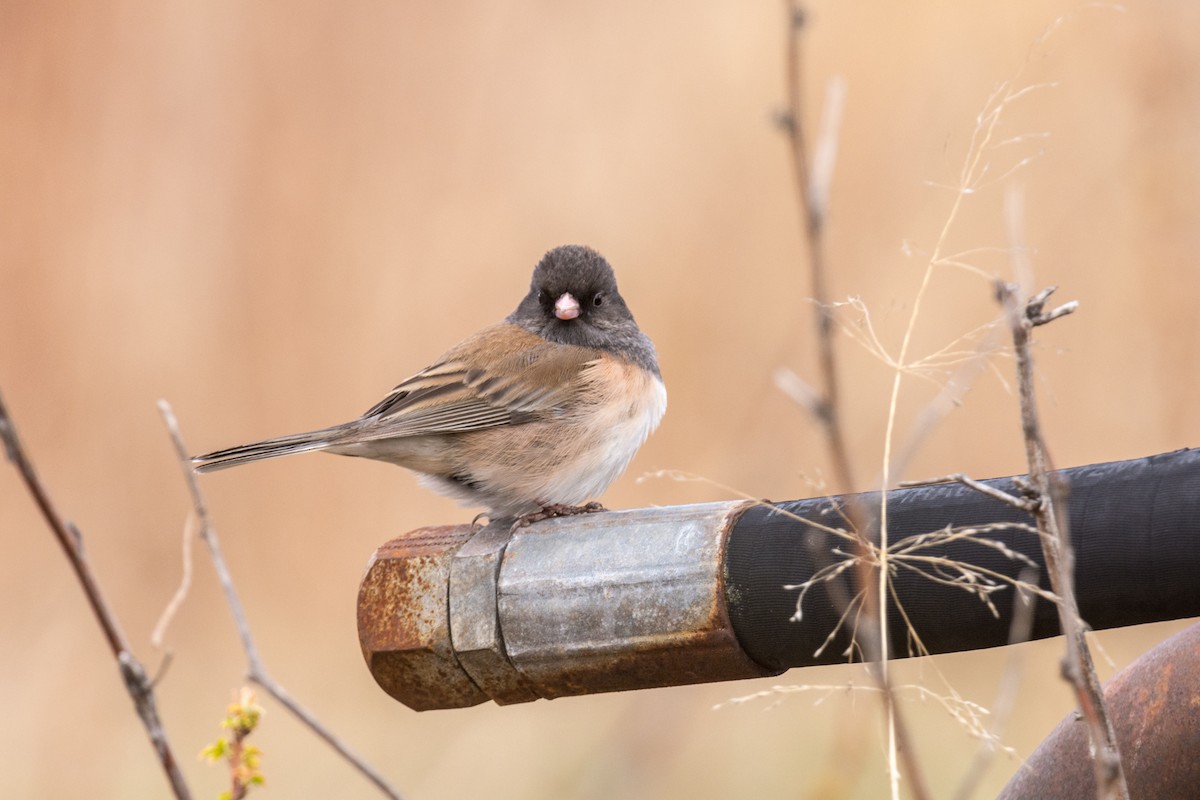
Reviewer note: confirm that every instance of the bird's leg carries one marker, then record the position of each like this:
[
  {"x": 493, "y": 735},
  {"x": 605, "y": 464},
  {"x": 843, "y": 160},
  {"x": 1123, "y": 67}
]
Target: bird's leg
[{"x": 551, "y": 510}]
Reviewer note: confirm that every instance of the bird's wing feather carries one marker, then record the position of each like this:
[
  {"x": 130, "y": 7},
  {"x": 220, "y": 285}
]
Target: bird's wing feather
[{"x": 484, "y": 382}]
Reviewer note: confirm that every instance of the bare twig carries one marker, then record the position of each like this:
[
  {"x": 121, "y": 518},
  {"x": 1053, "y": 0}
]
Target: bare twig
[
  {"x": 133, "y": 675},
  {"x": 1021, "y": 503},
  {"x": 1049, "y": 492},
  {"x": 812, "y": 190},
  {"x": 823, "y": 403},
  {"x": 255, "y": 671},
  {"x": 812, "y": 187},
  {"x": 185, "y": 584},
  {"x": 798, "y": 391}
]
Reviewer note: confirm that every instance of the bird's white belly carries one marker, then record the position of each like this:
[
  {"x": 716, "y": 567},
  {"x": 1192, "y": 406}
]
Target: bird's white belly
[
  {"x": 568, "y": 459},
  {"x": 613, "y": 431}
]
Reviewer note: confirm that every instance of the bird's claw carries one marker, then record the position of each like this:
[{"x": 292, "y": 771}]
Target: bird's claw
[{"x": 551, "y": 510}]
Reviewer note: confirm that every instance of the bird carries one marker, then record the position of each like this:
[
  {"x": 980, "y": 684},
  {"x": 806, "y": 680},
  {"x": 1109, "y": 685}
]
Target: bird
[{"x": 532, "y": 417}]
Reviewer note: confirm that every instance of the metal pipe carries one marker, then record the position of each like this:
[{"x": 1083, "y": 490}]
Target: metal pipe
[
  {"x": 450, "y": 617},
  {"x": 1152, "y": 704}
]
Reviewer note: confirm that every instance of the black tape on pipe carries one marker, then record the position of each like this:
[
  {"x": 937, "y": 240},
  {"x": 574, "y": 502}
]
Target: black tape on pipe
[{"x": 1135, "y": 526}]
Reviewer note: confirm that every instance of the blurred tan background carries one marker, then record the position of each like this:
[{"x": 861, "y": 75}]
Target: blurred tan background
[{"x": 270, "y": 214}]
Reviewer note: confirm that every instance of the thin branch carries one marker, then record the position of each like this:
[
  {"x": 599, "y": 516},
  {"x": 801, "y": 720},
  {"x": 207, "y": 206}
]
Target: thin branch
[
  {"x": 1024, "y": 314},
  {"x": 812, "y": 186},
  {"x": 133, "y": 675},
  {"x": 255, "y": 671},
  {"x": 1049, "y": 492},
  {"x": 974, "y": 167},
  {"x": 798, "y": 390},
  {"x": 812, "y": 189},
  {"x": 1020, "y": 503},
  {"x": 185, "y": 585}
]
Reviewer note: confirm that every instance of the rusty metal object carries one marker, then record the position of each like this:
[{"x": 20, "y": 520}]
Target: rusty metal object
[
  {"x": 1155, "y": 709},
  {"x": 622, "y": 600},
  {"x": 404, "y": 621},
  {"x": 594, "y": 603}
]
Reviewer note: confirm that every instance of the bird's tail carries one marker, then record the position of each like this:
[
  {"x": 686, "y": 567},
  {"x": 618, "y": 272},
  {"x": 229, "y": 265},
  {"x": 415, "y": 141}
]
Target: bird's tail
[{"x": 270, "y": 448}]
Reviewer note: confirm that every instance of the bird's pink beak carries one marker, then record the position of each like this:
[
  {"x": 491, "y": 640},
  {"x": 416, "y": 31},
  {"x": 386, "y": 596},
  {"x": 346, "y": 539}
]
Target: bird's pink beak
[{"x": 566, "y": 307}]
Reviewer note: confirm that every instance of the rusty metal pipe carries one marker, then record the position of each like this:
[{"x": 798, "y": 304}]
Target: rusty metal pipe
[
  {"x": 1152, "y": 704},
  {"x": 451, "y": 617}
]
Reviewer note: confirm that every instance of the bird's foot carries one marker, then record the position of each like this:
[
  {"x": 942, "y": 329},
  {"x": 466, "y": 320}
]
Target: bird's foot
[{"x": 552, "y": 510}]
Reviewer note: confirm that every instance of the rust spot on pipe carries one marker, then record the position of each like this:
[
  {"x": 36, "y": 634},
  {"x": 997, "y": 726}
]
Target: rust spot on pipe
[
  {"x": 1153, "y": 704},
  {"x": 403, "y": 624},
  {"x": 597, "y": 603}
]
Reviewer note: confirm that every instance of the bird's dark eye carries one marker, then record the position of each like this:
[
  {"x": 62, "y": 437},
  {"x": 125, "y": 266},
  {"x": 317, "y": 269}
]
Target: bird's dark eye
[
  {"x": 543, "y": 297},
  {"x": 598, "y": 300}
]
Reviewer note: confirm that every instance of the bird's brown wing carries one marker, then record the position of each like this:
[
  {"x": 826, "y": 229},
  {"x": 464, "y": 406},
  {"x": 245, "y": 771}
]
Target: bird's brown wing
[{"x": 502, "y": 375}]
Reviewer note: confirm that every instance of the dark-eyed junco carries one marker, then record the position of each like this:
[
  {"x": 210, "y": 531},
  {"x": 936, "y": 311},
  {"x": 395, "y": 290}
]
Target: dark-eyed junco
[{"x": 532, "y": 416}]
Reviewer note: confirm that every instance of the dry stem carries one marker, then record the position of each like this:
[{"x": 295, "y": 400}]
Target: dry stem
[
  {"x": 255, "y": 671},
  {"x": 812, "y": 185},
  {"x": 812, "y": 189},
  {"x": 133, "y": 675},
  {"x": 1047, "y": 492}
]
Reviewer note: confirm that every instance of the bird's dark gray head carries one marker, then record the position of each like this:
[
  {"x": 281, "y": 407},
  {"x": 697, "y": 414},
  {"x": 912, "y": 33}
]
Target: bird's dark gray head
[{"x": 573, "y": 299}]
